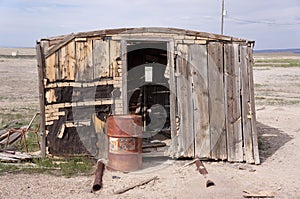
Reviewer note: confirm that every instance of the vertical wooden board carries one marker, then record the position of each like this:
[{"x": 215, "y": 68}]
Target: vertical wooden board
[
  {"x": 114, "y": 53},
  {"x": 63, "y": 62},
  {"x": 174, "y": 139},
  {"x": 233, "y": 111},
  {"x": 184, "y": 103},
  {"x": 101, "y": 58},
  {"x": 198, "y": 64},
  {"x": 84, "y": 61},
  {"x": 71, "y": 70},
  {"x": 246, "y": 122},
  {"x": 51, "y": 65},
  {"x": 252, "y": 102},
  {"x": 90, "y": 62},
  {"x": 216, "y": 101}
]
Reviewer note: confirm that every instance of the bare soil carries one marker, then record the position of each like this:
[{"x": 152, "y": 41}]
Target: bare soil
[{"x": 277, "y": 93}]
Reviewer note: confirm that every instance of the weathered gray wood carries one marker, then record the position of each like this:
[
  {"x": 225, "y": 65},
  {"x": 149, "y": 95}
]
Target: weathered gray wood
[
  {"x": 41, "y": 75},
  {"x": 233, "y": 112},
  {"x": 184, "y": 103},
  {"x": 4, "y": 158},
  {"x": 216, "y": 101},
  {"x": 124, "y": 76},
  {"x": 67, "y": 61},
  {"x": 246, "y": 116},
  {"x": 51, "y": 67},
  {"x": 101, "y": 58},
  {"x": 65, "y": 41},
  {"x": 85, "y": 69},
  {"x": 172, "y": 85},
  {"x": 253, "y": 112},
  {"x": 114, "y": 53},
  {"x": 198, "y": 64}
]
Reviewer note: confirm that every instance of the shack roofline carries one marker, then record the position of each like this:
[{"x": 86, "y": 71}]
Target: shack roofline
[
  {"x": 177, "y": 31},
  {"x": 64, "y": 39}
]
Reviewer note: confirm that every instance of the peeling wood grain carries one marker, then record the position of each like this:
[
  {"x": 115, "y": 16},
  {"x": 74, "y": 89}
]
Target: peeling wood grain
[
  {"x": 198, "y": 61},
  {"x": 216, "y": 101}
]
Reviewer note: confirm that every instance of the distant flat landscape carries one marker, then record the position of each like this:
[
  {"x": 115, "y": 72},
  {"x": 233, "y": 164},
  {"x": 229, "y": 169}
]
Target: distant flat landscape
[{"x": 293, "y": 50}]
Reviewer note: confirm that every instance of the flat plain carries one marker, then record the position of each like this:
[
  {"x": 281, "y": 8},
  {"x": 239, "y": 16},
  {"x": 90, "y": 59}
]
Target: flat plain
[{"x": 277, "y": 94}]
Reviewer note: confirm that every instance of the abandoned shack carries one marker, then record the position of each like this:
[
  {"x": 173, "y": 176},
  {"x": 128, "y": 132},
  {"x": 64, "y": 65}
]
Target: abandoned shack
[{"x": 194, "y": 91}]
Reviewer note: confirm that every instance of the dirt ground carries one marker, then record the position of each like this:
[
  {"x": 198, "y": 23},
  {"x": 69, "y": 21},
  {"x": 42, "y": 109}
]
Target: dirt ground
[{"x": 277, "y": 91}]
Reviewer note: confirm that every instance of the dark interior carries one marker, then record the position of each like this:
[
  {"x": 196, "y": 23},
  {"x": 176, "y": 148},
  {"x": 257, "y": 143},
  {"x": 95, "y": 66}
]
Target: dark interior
[{"x": 149, "y": 98}]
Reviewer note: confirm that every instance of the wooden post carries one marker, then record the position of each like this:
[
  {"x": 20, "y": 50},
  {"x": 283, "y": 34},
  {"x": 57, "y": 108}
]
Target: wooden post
[{"x": 41, "y": 66}]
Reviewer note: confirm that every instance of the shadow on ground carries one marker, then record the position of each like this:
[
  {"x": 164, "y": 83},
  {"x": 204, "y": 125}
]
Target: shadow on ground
[{"x": 270, "y": 139}]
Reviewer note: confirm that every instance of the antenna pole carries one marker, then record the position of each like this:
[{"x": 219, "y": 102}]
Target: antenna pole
[{"x": 222, "y": 19}]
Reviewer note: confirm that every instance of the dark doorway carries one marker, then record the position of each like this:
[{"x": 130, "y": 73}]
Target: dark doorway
[{"x": 148, "y": 92}]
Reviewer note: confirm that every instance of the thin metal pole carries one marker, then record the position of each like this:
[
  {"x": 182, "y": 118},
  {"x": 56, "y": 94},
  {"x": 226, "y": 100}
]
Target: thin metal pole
[{"x": 222, "y": 19}]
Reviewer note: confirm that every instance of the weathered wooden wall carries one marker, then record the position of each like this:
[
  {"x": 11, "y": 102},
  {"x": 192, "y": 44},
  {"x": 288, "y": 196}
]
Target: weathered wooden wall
[
  {"x": 79, "y": 78},
  {"x": 212, "y": 106},
  {"x": 223, "y": 113}
]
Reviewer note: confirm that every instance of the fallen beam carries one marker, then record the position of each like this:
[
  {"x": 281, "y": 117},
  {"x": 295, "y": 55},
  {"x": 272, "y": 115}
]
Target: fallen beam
[{"x": 120, "y": 191}]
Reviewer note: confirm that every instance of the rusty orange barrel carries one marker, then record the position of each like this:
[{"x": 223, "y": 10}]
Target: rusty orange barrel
[{"x": 124, "y": 142}]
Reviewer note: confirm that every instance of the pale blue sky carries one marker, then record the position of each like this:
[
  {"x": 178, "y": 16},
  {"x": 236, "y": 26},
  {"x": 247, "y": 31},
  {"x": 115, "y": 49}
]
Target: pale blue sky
[{"x": 271, "y": 23}]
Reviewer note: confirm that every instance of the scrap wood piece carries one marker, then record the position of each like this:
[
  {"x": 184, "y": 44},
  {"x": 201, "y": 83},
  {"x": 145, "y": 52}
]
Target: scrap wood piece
[
  {"x": 14, "y": 157},
  {"x": 260, "y": 194},
  {"x": 120, "y": 191},
  {"x": 4, "y": 158}
]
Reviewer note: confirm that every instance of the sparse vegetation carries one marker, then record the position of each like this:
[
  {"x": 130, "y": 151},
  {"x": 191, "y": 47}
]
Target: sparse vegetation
[
  {"x": 67, "y": 167},
  {"x": 275, "y": 101},
  {"x": 277, "y": 62}
]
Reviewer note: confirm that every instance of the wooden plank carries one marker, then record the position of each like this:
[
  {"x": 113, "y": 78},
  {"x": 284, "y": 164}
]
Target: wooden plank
[
  {"x": 84, "y": 61},
  {"x": 184, "y": 103},
  {"x": 67, "y": 61},
  {"x": 41, "y": 75},
  {"x": 216, "y": 101},
  {"x": 114, "y": 53},
  {"x": 233, "y": 111},
  {"x": 62, "y": 43},
  {"x": 246, "y": 116},
  {"x": 172, "y": 85},
  {"x": 101, "y": 58},
  {"x": 252, "y": 102},
  {"x": 198, "y": 62},
  {"x": 50, "y": 96},
  {"x": 51, "y": 63}
]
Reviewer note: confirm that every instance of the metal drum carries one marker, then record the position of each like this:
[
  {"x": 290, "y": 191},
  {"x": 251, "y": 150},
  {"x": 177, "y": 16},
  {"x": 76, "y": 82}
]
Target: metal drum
[{"x": 124, "y": 142}]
